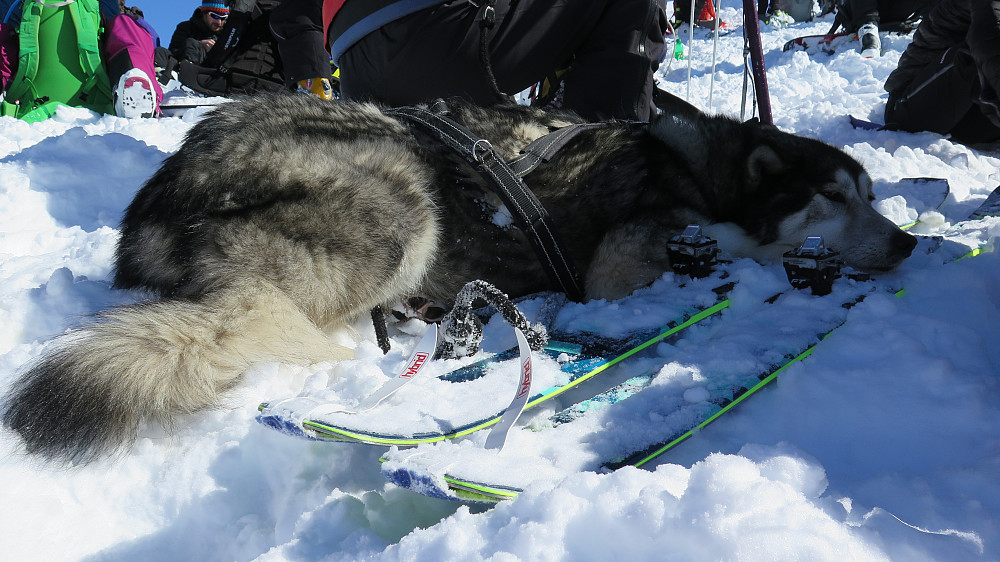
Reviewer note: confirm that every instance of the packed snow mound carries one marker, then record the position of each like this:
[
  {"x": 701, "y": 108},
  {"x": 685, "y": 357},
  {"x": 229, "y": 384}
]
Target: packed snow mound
[{"x": 883, "y": 445}]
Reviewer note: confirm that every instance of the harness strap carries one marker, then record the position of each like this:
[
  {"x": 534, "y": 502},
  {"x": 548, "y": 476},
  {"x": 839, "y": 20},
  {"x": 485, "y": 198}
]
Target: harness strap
[
  {"x": 487, "y": 18},
  {"x": 544, "y": 148},
  {"x": 88, "y": 32},
  {"x": 86, "y": 20},
  {"x": 22, "y": 84},
  {"x": 533, "y": 219}
]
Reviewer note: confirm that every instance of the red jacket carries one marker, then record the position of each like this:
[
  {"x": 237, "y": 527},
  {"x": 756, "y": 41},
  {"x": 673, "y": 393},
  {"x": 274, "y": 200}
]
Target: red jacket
[{"x": 330, "y": 9}]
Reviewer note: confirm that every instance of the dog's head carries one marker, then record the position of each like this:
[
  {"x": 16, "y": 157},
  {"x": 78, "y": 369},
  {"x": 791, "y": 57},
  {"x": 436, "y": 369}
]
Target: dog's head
[{"x": 762, "y": 192}]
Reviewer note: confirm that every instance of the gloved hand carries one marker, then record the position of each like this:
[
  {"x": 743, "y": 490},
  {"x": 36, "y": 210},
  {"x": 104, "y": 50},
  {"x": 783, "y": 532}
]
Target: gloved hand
[{"x": 241, "y": 5}]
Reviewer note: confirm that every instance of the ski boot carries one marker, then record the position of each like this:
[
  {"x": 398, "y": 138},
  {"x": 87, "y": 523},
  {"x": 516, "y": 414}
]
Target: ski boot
[
  {"x": 319, "y": 87},
  {"x": 871, "y": 45},
  {"x": 133, "y": 96}
]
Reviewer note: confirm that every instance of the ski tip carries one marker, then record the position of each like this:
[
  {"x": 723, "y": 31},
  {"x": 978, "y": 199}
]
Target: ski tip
[
  {"x": 990, "y": 207},
  {"x": 417, "y": 482},
  {"x": 284, "y": 425},
  {"x": 863, "y": 124}
]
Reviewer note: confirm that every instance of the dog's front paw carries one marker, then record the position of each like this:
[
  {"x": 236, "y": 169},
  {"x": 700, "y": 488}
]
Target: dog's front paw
[{"x": 420, "y": 308}]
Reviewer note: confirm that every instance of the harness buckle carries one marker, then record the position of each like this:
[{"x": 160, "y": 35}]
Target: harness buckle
[{"x": 481, "y": 150}]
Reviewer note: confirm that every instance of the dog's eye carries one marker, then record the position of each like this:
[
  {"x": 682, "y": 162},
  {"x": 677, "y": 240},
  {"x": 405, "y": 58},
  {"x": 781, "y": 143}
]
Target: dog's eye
[{"x": 835, "y": 196}]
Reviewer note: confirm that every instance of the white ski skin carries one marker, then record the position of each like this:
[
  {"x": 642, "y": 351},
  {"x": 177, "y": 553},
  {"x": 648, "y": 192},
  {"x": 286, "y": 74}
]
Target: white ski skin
[
  {"x": 498, "y": 435},
  {"x": 420, "y": 357}
]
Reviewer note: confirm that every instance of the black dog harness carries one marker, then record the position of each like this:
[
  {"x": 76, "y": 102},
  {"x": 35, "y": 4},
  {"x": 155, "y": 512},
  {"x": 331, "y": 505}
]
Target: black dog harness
[{"x": 505, "y": 180}]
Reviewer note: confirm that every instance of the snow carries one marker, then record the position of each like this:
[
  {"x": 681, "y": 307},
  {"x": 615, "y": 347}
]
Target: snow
[{"x": 883, "y": 445}]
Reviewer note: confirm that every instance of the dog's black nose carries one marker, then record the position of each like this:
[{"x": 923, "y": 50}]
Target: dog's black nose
[{"x": 903, "y": 244}]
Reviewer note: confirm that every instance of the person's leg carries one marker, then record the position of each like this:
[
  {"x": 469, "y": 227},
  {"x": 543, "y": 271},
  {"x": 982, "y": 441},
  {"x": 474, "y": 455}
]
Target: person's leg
[
  {"x": 763, "y": 6},
  {"x": 863, "y": 17},
  {"x": 129, "y": 46},
  {"x": 611, "y": 75},
  {"x": 939, "y": 99},
  {"x": 682, "y": 9},
  {"x": 901, "y": 15},
  {"x": 435, "y": 53},
  {"x": 612, "y": 48},
  {"x": 298, "y": 26},
  {"x": 974, "y": 127},
  {"x": 855, "y": 13}
]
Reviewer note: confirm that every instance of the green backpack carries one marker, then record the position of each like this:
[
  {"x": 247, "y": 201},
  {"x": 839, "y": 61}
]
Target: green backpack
[{"x": 59, "y": 61}]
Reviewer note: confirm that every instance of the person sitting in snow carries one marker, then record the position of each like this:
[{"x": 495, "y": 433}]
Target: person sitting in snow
[
  {"x": 948, "y": 78},
  {"x": 868, "y": 17},
  {"x": 297, "y": 27},
  {"x": 243, "y": 59},
  {"x": 194, "y": 38},
  {"x": 402, "y": 52},
  {"x": 267, "y": 43}
]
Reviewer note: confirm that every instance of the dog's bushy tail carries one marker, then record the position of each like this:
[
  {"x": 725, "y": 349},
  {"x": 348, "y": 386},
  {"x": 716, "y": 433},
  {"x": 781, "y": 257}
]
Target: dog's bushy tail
[{"x": 156, "y": 360}]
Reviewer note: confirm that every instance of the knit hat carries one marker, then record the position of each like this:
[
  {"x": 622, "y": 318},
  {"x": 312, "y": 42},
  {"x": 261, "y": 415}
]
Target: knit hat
[{"x": 217, "y": 7}]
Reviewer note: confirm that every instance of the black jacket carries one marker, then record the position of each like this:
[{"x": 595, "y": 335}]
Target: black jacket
[
  {"x": 966, "y": 24},
  {"x": 185, "y": 44},
  {"x": 354, "y": 20},
  {"x": 251, "y": 66}
]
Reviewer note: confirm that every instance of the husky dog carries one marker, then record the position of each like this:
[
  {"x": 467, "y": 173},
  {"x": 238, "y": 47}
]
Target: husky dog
[{"x": 281, "y": 218}]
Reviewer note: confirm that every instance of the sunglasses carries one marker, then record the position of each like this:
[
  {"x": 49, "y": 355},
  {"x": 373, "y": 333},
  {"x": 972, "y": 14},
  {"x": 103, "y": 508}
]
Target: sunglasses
[{"x": 219, "y": 17}]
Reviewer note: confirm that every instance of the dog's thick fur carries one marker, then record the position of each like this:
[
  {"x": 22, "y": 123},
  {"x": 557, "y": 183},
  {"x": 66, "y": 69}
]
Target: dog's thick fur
[{"x": 282, "y": 217}]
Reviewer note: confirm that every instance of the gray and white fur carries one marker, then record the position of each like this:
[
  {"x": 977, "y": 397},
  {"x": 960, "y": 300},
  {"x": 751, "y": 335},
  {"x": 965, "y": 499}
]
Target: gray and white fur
[{"x": 282, "y": 218}]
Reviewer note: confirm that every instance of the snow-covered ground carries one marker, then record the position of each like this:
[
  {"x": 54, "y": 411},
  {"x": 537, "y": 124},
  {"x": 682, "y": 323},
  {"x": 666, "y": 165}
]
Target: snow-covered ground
[{"x": 885, "y": 444}]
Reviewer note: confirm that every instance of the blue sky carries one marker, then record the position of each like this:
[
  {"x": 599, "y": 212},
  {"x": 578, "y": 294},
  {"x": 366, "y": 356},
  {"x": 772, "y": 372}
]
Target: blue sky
[{"x": 164, "y": 16}]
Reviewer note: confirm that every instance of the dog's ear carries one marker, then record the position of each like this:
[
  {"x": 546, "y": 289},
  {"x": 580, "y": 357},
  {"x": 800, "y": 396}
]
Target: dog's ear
[{"x": 763, "y": 160}]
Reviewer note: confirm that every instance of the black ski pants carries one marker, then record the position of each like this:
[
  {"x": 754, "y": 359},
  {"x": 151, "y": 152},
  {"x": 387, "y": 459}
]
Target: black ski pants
[
  {"x": 888, "y": 15},
  {"x": 610, "y": 47},
  {"x": 942, "y": 98},
  {"x": 298, "y": 26}
]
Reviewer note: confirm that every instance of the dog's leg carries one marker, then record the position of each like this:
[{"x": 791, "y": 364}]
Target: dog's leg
[
  {"x": 422, "y": 308},
  {"x": 628, "y": 258}
]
